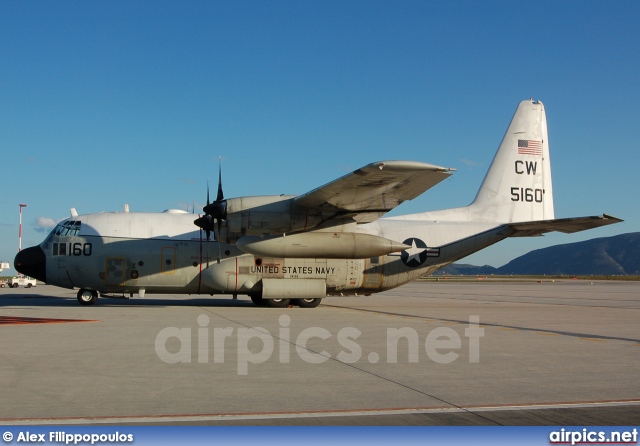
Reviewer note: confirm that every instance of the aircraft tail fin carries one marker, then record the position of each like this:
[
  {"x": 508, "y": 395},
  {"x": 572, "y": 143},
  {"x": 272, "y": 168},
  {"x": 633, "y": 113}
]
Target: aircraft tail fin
[{"x": 518, "y": 186}]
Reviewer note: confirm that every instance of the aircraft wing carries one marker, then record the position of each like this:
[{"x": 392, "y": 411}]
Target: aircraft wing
[
  {"x": 566, "y": 225},
  {"x": 368, "y": 193}
]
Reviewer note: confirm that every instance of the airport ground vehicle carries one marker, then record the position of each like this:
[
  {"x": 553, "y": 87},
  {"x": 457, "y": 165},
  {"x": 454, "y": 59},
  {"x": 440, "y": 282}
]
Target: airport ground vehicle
[{"x": 24, "y": 281}]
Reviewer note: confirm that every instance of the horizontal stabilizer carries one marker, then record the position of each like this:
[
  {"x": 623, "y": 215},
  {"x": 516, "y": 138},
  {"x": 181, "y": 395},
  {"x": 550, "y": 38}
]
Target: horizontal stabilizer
[{"x": 566, "y": 225}]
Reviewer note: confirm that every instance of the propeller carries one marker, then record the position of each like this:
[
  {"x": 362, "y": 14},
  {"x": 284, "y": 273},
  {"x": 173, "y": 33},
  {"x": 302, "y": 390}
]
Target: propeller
[
  {"x": 217, "y": 209},
  {"x": 214, "y": 213}
]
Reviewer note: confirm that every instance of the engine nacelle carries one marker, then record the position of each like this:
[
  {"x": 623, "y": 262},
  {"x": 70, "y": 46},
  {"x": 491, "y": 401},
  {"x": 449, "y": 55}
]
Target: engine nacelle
[{"x": 259, "y": 215}]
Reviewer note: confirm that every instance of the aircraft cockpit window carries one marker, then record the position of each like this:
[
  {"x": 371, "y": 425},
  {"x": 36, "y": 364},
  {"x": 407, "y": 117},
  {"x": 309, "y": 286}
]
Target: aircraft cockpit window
[{"x": 68, "y": 229}]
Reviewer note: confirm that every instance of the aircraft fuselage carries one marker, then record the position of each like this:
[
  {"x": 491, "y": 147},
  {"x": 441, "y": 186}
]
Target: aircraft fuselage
[{"x": 120, "y": 253}]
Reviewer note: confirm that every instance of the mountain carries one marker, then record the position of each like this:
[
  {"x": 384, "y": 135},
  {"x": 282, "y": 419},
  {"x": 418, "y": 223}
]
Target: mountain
[
  {"x": 460, "y": 269},
  {"x": 617, "y": 255}
]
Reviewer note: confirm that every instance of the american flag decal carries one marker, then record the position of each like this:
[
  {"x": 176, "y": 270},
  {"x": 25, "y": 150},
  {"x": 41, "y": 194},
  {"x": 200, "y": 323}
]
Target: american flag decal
[{"x": 529, "y": 147}]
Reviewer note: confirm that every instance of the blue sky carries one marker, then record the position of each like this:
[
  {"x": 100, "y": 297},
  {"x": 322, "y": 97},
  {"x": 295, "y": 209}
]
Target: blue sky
[{"x": 106, "y": 103}]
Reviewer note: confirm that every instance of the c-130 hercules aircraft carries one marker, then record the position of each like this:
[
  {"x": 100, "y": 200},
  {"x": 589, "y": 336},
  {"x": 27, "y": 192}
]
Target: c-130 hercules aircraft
[{"x": 285, "y": 249}]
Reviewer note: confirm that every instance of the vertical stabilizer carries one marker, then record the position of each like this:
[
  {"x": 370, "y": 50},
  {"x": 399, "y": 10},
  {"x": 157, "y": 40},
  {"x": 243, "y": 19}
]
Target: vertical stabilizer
[{"x": 517, "y": 186}]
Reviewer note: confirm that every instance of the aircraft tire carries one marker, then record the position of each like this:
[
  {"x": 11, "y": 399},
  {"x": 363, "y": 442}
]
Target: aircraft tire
[
  {"x": 306, "y": 303},
  {"x": 87, "y": 297},
  {"x": 277, "y": 303},
  {"x": 257, "y": 299}
]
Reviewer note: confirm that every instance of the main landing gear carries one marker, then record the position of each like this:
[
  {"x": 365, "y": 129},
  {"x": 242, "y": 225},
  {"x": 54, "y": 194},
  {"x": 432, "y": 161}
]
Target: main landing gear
[
  {"x": 283, "y": 303},
  {"x": 306, "y": 303}
]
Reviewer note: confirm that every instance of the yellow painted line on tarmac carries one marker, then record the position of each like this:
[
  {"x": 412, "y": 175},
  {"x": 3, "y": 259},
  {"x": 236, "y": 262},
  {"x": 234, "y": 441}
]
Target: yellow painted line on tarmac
[{"x": 594, "y": 339}]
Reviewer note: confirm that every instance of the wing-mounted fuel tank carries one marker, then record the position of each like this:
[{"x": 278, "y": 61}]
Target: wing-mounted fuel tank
[{"x": 327, "y": 245}]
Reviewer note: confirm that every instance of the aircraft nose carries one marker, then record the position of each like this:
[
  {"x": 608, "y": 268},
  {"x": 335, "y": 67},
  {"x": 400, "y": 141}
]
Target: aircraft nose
[{"x": 32, "y": 262}]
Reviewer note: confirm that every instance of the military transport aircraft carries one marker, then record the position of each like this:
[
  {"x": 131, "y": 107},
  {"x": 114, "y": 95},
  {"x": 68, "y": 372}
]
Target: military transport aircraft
[{"x": 286, "y": 249}]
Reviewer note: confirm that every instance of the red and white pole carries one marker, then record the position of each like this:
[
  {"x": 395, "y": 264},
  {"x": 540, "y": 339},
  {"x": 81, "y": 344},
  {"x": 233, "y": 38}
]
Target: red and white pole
[{"x": 20, "y": 234}]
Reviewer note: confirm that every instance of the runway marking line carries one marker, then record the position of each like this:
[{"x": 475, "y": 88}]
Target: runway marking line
[
  {"x": 586, "y": 336},
  {"x": 309, "y": 414},
  {"x": 19, "y": 320}
]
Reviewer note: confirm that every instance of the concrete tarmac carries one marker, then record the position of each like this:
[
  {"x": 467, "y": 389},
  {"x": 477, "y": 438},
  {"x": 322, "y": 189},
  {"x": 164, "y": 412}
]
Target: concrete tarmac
[{"x": 472, "y": 353}]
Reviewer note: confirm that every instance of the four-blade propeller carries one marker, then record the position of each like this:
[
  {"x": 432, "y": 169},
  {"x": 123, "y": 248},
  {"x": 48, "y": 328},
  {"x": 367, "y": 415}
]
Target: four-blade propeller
[{"x": 214, "y": 213}]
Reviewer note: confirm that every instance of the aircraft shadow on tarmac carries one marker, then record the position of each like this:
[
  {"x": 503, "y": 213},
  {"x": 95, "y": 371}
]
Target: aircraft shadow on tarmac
[{"x": 43, "y": 300}]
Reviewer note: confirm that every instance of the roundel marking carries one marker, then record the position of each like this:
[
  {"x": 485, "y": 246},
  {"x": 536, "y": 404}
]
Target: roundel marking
[{"x": 416, "y": 255}]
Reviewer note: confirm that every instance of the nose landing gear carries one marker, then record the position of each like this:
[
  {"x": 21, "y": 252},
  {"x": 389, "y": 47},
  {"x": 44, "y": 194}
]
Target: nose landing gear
[{"x": 87, "y": 297}]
